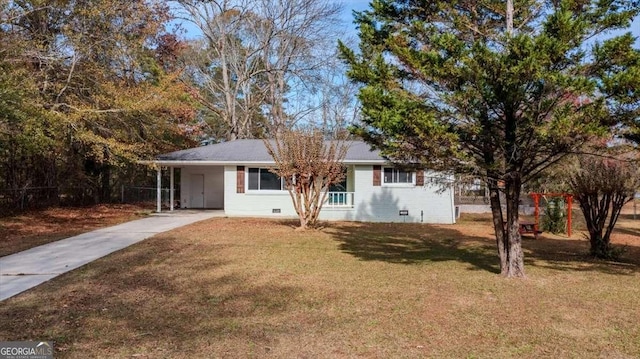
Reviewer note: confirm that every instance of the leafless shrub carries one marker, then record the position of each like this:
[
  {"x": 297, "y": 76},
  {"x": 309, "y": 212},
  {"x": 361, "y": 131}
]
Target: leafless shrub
[
  {"x": 309, "y": 164},
  {"x": 602, "y": 186}
]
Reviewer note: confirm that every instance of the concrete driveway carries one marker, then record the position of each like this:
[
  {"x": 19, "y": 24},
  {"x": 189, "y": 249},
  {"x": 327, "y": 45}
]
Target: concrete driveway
[{"x": 27, "y": 269}]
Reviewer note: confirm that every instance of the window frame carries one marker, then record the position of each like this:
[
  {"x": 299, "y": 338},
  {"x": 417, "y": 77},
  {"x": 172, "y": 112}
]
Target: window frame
[
  {"x": 344, "y": 182},
  {"x": 259, "y": 190},
  {"x": 395, "y": 173}
]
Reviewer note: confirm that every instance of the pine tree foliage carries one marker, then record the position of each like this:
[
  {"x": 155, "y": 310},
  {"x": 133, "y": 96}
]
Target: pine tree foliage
[{"x": 446, "y": 85}]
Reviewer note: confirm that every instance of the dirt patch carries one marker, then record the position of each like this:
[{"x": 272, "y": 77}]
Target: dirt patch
[{"x": 34, "y": 228}]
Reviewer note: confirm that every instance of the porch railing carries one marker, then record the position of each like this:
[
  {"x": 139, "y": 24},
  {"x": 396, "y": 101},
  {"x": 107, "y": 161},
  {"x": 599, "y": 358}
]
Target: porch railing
[{"x": 340, "y": 199}]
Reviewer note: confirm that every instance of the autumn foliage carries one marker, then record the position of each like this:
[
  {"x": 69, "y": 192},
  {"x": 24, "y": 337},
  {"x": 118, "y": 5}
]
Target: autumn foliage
[
  {"x": 309, "y": 164},
  {"x": 87, "y": 88}
]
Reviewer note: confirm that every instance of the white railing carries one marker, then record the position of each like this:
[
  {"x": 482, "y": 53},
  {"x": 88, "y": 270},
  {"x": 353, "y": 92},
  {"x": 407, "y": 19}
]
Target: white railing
[{"x": 340, "y": 199}]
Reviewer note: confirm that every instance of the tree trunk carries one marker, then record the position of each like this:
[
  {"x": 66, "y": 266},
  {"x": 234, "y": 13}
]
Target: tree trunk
[
  {"x": 509, "y": 17},
  {"x": 233, "y": 133},
  {"x": 600, "y": 247},
  {"x": 498, "y": 221},
  {"x": 597, "y": 209},
  {"x": 303, "y": 222},
  {"x": 296, "y": 197},
  {"x": 105, "y": 184},
  {"x": 513, "y": 244}
]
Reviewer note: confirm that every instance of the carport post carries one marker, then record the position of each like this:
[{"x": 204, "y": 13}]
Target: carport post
[
  {"x": 171, "y": 188},
  {"x": 159, "y": 189}
]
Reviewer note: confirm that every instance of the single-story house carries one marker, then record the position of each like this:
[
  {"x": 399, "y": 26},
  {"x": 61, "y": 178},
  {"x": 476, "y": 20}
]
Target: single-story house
[{"x": 234, "y": 176}]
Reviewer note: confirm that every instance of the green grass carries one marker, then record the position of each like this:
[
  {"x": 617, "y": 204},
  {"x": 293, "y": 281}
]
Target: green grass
[{"x": 238, "y": 288}]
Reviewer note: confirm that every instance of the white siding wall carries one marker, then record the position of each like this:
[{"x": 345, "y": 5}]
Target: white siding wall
[
  {"x": 253, "y": 203},
  {"x": 213, "y": 185},
  {"x": 372, "y": 203}
]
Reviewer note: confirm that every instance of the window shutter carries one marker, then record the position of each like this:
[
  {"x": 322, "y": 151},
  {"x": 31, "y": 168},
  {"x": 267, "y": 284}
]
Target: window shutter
[
  {"x": 420, "y": 178},
  {"x": 240, "y": 179},
  {"x": 377, "y": 179}
]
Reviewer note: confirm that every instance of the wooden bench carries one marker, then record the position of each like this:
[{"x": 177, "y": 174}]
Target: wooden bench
[{"x": 528, "y": 228}]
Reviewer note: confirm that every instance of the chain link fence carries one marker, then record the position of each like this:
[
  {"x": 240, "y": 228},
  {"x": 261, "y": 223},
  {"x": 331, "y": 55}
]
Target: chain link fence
[
  {"x": 12, "y": 200},
  {"x": 148, "y": 195},
  {"x": 40, "y": 197}
]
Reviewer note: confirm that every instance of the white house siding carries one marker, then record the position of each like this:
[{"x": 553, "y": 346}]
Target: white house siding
[
  {"x": 383, "y": 203},
  {"x": 213, "y": 186},
  {"x": 371, "y": 203},
  {"x": 254, "y": 203}
]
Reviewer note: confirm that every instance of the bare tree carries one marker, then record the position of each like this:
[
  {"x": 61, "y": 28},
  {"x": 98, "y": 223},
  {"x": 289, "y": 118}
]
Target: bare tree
[
  {"x": 602, "y": 186},
  {"x": 337, "y": 99},
  {"x": 297, "y": 35},
  {"x": 224, "y": 66},
  {"x": 309, "y": 165},
  {"x": 259, "y": 58}
]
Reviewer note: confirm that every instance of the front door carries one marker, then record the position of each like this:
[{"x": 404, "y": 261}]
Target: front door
[{"x": 197, "y": 191}]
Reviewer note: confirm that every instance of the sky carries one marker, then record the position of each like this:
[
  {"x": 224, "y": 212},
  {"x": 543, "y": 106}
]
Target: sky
[{"x": 359, "y": 5}]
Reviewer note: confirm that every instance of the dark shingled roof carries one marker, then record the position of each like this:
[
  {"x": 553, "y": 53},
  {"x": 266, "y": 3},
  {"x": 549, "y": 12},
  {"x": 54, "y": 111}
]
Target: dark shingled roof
[{"x": 255, "y": 150}]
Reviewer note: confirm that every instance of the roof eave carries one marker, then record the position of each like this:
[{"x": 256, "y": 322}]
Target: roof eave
[{"x": 174, "y": 163}]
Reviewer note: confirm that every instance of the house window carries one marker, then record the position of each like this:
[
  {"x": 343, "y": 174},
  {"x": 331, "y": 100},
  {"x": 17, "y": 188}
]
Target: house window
[
  {"x": 394, "y": 175},
  {"x": 260, "y": 179},
  {"x": 341, "y": 186}
]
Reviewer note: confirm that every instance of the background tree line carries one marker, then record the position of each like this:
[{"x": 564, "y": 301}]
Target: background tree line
[{"x": 87, "y": 88}]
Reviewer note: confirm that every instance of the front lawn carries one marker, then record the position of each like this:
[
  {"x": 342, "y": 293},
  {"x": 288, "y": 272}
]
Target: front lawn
[{"x": 237, "y": 288}]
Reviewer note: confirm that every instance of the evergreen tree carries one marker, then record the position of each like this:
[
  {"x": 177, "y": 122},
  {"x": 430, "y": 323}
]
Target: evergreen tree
[{"x": 497, "y": 89}]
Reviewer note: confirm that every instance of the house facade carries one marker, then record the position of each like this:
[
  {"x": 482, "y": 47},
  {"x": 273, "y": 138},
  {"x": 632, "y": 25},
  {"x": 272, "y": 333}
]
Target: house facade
[{"x": 234, "y": 176}]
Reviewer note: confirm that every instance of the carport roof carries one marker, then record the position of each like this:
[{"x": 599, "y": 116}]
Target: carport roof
[{"x": 254, "y": 151}]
